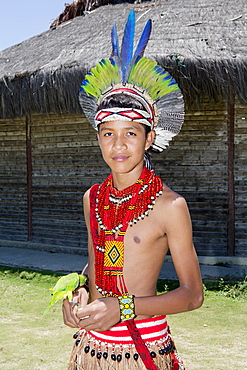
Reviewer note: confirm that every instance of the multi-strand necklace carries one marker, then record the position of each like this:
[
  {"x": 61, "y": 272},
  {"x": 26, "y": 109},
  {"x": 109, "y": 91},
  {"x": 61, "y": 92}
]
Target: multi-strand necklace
[{"x": 115, "y": 210}]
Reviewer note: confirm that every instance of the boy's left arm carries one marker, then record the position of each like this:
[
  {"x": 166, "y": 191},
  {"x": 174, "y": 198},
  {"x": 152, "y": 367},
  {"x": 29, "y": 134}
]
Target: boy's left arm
[{"x": 189, "y": 295}]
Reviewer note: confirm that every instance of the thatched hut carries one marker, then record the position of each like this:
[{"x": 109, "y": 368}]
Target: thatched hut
[{"x": 49, "y": 153}]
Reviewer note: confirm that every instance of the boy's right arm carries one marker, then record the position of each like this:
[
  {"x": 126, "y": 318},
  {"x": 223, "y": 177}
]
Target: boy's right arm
[{"x": 81, "y": 295}]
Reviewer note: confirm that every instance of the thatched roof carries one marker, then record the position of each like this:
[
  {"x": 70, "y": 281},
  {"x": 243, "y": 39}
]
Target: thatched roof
[
  {"x": 78, "y": 8},
  {"x": 202, "y": 43}
]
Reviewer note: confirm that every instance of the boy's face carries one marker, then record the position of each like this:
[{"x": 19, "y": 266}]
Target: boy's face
[{"x": 123, "y": 144}]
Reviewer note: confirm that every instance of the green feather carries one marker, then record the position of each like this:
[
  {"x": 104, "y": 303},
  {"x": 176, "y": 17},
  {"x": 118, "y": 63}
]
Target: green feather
[
  {"x": 142, "y": 70},
  {"x": 147, "y": 74},
  {"x": 112, "y": 72},
  {"x": 150, "y": 80},
  {"x": 100, "y": 77},
  {"x": 163, "y": 89},
  {"x": 154, "y": 84},
  {"x": 134, "y": 71},
  {"x": 90, "y": 89}
]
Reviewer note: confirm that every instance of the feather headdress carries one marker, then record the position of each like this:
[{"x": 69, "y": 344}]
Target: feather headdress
[{"x": 127, "y": 71}]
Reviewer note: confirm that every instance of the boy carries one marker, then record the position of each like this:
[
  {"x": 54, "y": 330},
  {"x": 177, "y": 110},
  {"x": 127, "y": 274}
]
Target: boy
[{"x": 132, "y": 220}]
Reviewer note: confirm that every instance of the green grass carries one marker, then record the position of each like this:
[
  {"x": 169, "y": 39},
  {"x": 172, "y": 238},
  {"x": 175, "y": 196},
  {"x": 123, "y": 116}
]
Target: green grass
[
  {"x": 26, "y": 342},
  {"x": 211, "y": 338}
]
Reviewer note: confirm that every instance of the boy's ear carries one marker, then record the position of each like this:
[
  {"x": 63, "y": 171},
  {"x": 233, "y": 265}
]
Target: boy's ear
[
  {"x": 149, "y": 139},
  {"x": 98, "y": 137}
]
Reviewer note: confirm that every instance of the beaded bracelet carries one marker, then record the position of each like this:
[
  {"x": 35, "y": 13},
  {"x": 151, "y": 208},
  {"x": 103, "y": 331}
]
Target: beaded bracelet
[{"x": 127, "y": 307}]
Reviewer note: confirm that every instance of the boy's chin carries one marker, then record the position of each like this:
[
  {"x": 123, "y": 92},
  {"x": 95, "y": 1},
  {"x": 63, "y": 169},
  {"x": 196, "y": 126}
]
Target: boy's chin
[{"x": 125, "y": 168}]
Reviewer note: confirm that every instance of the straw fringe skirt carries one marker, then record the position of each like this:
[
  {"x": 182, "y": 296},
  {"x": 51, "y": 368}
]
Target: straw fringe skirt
[{"x": 114, "y": 349}]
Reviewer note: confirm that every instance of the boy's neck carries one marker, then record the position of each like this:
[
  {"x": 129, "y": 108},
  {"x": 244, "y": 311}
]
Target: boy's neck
[{"x": 123, "y": 180}]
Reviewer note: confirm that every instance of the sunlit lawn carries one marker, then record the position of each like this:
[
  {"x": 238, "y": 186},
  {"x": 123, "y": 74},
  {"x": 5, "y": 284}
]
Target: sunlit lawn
[{"x": 211, "y": 338}]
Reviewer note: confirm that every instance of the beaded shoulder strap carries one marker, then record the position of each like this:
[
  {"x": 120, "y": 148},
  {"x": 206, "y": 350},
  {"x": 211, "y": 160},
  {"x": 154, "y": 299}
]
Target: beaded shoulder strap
[{"x": 93, "y": 220}]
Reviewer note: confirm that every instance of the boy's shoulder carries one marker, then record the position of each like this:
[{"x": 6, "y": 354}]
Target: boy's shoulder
[
  {"x": 169, "y": 194},
  {"x": 172, "y": 200},
  {"x": 92, "y": 189},
  {"x": 171, "y": 212}
]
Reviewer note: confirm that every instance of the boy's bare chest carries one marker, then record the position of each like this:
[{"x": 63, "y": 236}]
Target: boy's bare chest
[{"x": 143, "y": 237}]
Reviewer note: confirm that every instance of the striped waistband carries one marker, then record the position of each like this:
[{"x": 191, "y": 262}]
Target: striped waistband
[{"x": 151, "y": 330}]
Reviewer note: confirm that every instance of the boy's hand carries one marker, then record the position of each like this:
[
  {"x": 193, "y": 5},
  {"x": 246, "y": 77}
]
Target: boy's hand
[
  {"x": 100, "y": 315},
  {"x": 80, "y": 298}
]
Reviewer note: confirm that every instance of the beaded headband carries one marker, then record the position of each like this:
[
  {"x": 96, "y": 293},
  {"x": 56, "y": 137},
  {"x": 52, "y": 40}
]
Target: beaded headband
[
  {"x": 124, "y": 114},
  {"x": 136, "y": 76}
]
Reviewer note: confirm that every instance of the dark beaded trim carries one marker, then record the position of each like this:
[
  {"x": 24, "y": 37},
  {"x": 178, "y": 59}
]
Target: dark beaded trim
[{"x": 161, "y": 350}]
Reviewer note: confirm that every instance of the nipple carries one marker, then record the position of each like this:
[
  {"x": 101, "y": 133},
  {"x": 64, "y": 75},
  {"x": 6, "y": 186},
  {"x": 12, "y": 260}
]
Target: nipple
[{"x": 137, "y": 240}]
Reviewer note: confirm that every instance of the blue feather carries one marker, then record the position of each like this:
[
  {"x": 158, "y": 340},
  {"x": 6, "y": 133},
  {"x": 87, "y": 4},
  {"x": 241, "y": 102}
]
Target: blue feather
[
  {"x": 127, "y": 44},
  {"x": 84, "y": 83},
  {"x": 167, "y": 78},
  {"x": 112, "y": 61},
  {"x": 114, "y": 41},
  {"x": 158, "y": 69},
  {"x": 136, "y": 60},
  {"x": 141, "y": 46}
]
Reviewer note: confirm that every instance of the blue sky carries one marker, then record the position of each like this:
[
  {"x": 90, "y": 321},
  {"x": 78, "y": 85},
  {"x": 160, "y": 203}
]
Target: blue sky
[{"x": 22, "y": 19}]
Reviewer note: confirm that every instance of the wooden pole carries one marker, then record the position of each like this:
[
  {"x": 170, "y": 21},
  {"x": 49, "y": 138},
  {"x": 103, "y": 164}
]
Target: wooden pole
[
  {"x": 29, "y": 176},
  {"x": 231, "y": 187}
]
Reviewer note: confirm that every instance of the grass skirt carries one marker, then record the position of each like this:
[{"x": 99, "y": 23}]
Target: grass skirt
[{"x": 114, "y": 349}]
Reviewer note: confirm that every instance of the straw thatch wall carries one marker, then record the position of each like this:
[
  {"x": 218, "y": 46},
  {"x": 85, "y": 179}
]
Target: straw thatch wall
[{"x": 49, "y": 155}]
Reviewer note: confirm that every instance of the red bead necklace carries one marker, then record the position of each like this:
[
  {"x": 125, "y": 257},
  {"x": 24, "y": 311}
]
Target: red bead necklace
[{"x": 115, "y": 211}]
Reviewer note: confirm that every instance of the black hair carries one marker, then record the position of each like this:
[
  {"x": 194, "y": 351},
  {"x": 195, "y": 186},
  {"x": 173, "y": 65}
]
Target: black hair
[{"x": 120, "y": 100}]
